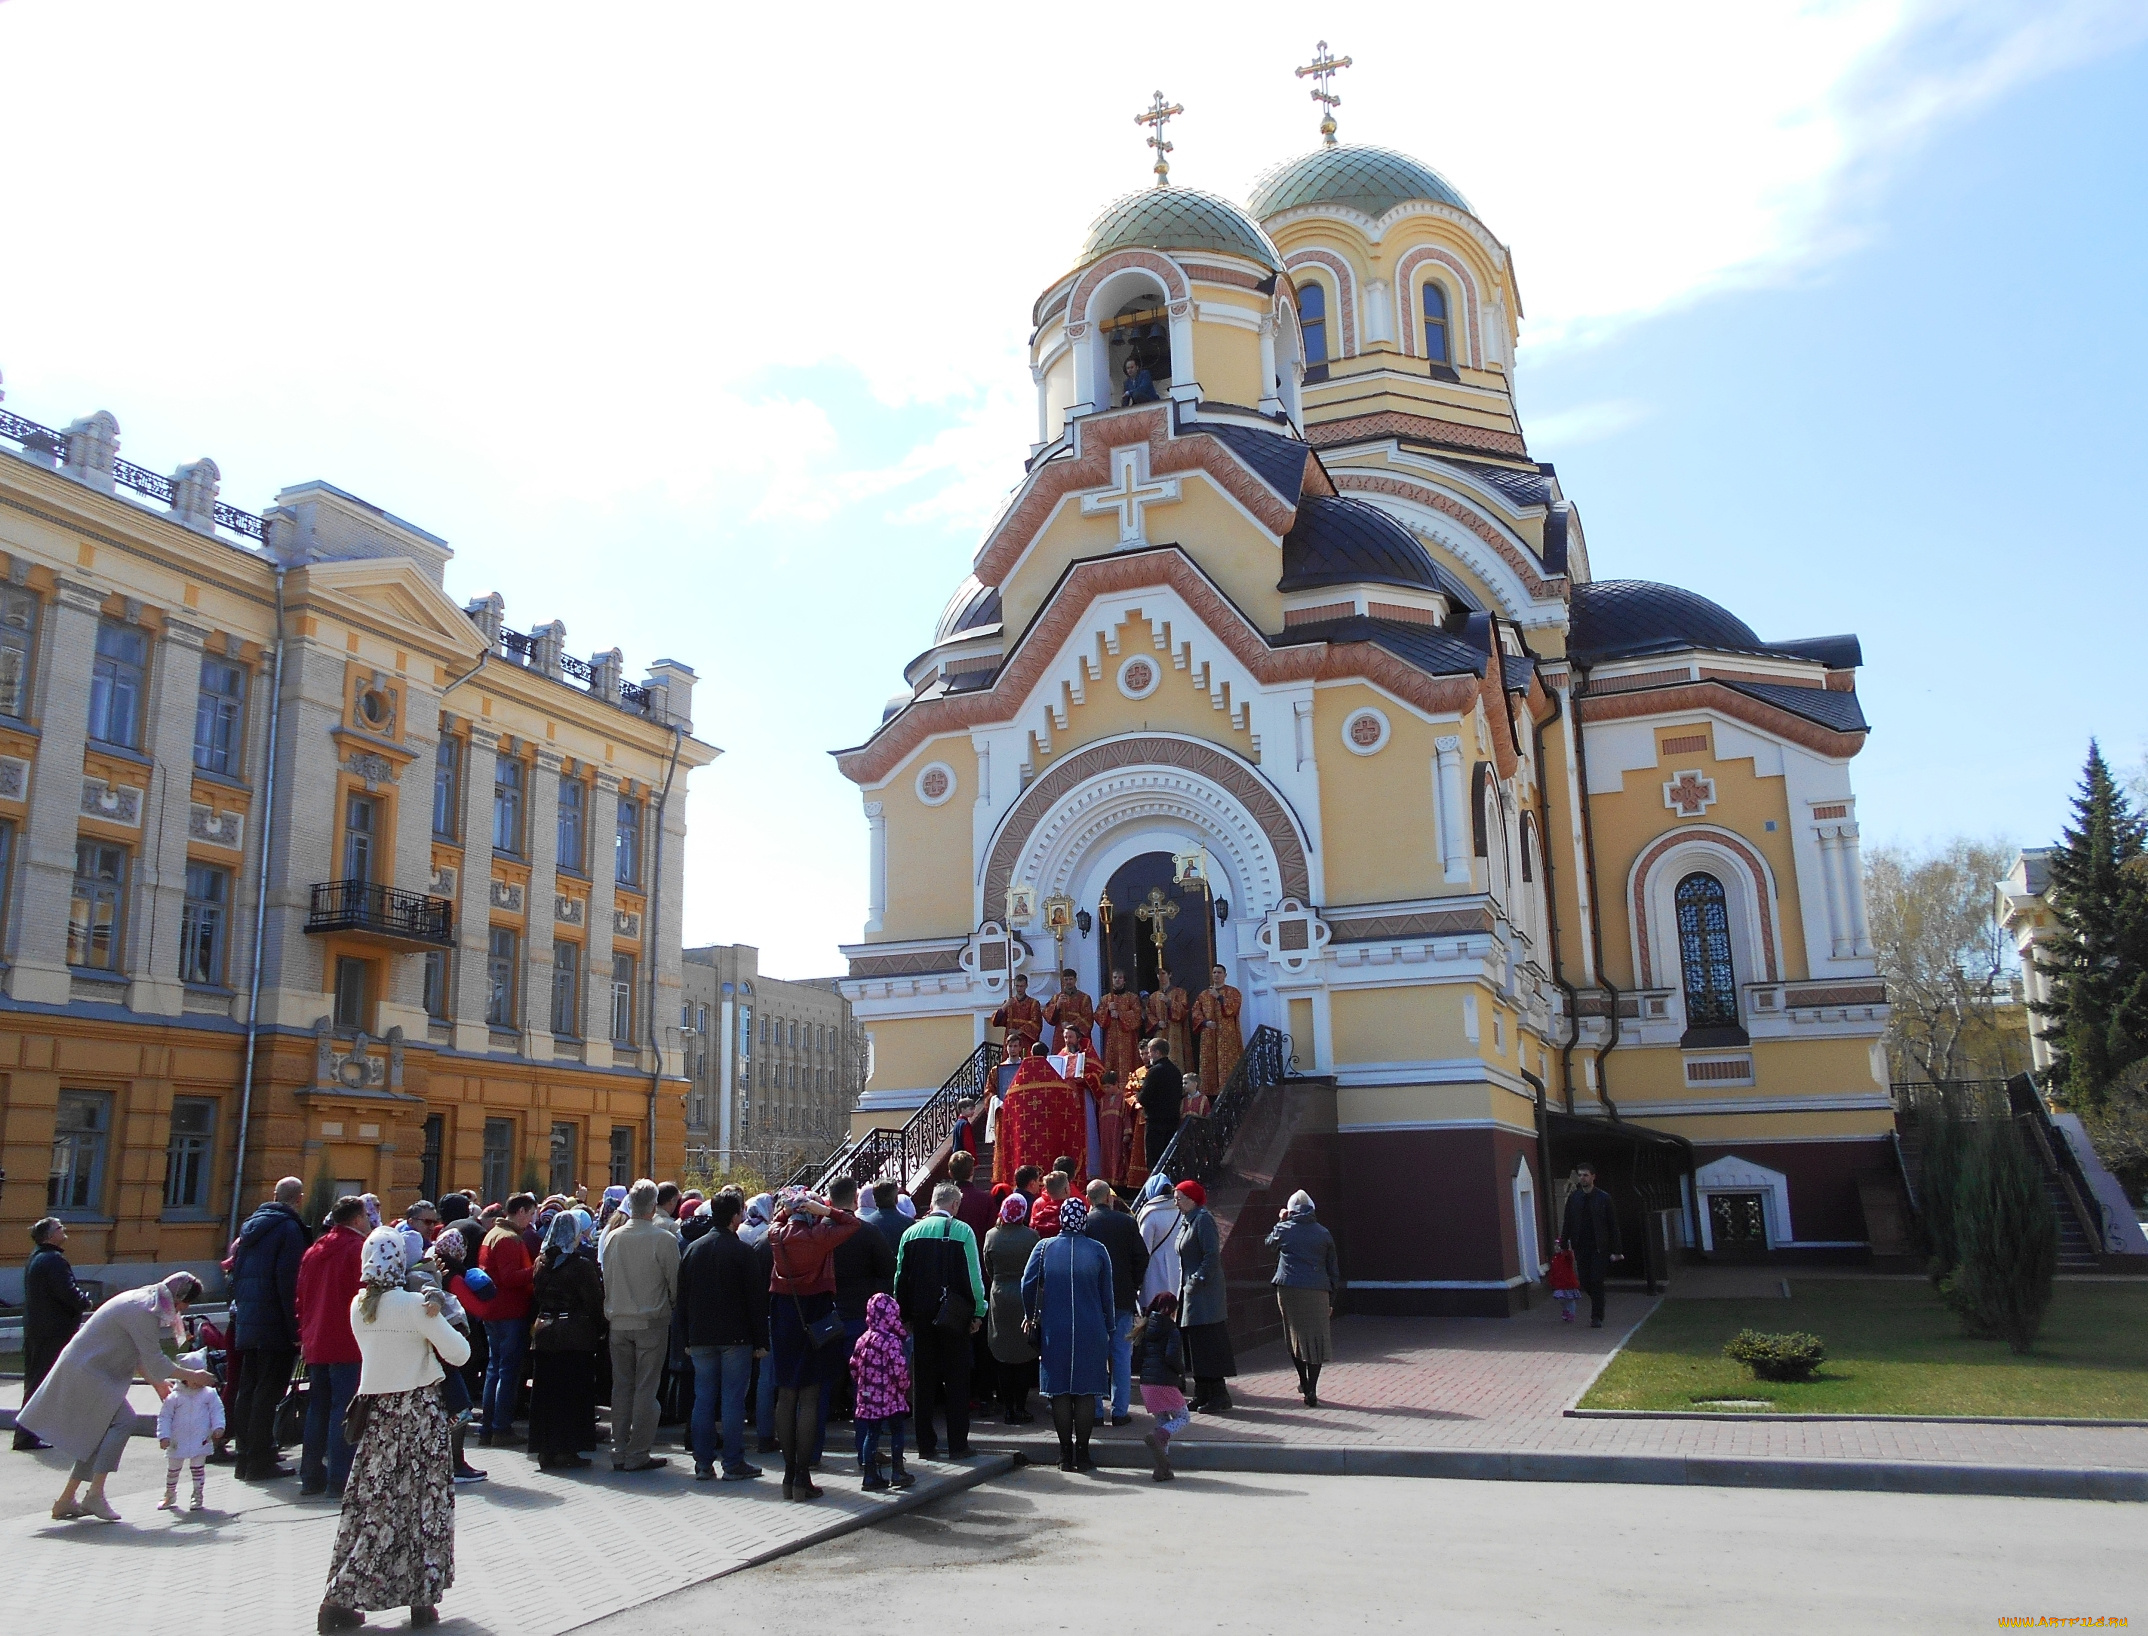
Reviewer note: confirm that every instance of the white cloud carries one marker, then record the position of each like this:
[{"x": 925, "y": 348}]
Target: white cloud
[{"x": 1584, "y": 423}]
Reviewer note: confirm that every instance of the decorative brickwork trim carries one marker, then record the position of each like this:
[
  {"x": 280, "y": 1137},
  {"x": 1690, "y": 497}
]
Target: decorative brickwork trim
[
  {"x": 1345, "y": 298},
  {"x": 1811, "y": 994},
  {"x": 1205, "y": 761},
  {"x": 1205, "y": 273},
  {"x": 1405, "y": 282},
  {"x": 1689, "y": 744},
  {"x": 1403, "y": 612},
  {"x": 1730, "y": 843},
  {"x": 1599, "y": 685},
  {"x": 1539, "y": 588},
  {"x": 1433, "y": 923},
  {"x": 1319, "y": 615},
  {"x": 1166, "y": 271},
  {"x": 910, "y": 963},
  {"x": 1741, "y": 707},
  {"x": 1396, "y": 423},
  {"x": 1709, "y": 672}
]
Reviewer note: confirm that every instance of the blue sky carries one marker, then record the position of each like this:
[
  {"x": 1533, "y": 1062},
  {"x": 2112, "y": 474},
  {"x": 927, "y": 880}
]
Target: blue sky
[{"x": 706, "y": 336}]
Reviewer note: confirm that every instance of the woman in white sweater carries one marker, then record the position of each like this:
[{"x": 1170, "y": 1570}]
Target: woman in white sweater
[{"x": 396, "y": 1545}]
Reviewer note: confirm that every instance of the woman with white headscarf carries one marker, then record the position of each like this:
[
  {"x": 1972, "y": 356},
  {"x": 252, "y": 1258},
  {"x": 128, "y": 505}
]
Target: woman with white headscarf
[
  {"x": 396, "y": 1544},
  {"x": 1307, "y": 1275},
  {"x": 82, "y": 1408}
]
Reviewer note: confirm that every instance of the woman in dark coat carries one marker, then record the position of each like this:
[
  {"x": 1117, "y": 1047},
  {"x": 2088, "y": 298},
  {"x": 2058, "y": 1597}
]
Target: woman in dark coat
[
  {"x": 1006, "y": 1257},
  {"x": 1203, "y": 1301},
  {"x": 1307, "y": 1275},
  {"x": 52, "y": 1309},
  {"x": 567, "y": 1329},
  {"x": 1067, "y": 1291}
]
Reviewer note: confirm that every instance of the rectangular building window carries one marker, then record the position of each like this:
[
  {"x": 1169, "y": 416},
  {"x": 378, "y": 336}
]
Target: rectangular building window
[
  {"x": 220, "y": 718},
  {"x": 500, "y": 978},
  {"x": 498, "y": 1163},
  {"x": 93, "y": 915},
  {"x": 201, "y": 924},
  {"x": 626, "y": 850},
  {"x": 563, "y": 1158},
  {"x": 622, "y": 1170},
  {"x": 81, "y": 1132},
  {"x": 429, "y": 1162},
  {"x": 436, "y": 985},
  {"x": 507, "y": 805},
  {"x": 447, "y": 788},
  {"x": 190, "y": 1153},
  {"x": 567, "y": 990},
  {"x": 361, "y": 837},
  {"x": 572, "y": 795},
  {"x": 116, "y": 684},
  {"x": 623, "y": 999},
  {"x": 18, "y": 649},
  {"x": 350, "y": 992}
]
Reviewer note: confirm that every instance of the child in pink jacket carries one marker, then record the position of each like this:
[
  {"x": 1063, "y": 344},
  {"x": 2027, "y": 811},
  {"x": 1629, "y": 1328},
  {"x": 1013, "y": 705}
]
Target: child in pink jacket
[{"x": 882, "y": 1375}]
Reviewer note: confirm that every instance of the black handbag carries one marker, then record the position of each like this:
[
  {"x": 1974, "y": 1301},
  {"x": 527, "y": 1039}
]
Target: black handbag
[
  {"x": 563, "y": 1332},
  {"x": 820, "y": 1331},
  {"x": 291, "y": 1413},
  {"x": 357, "y": 1416}
]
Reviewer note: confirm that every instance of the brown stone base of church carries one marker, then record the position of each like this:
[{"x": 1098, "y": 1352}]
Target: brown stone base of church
[
  {"x": 1426, "y": 1223},
  {"x": 1827, "y": 1214}
]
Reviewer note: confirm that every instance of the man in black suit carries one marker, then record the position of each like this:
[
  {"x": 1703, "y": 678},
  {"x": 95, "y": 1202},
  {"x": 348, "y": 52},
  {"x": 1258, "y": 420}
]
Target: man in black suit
[
  {"x": 1162, "y": 1091},
  {"x": 1590, "y": 1229}
]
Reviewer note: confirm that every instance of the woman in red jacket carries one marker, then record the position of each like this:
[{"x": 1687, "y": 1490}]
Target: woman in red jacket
[{"x": 801, "y": 1293}]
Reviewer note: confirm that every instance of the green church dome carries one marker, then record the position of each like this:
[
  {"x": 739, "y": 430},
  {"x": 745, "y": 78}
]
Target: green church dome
[
  {"x": 1178, "y": 218},
  {"x": 1367, "y": 179}
]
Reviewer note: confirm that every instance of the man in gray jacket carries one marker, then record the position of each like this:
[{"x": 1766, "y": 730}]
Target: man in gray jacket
[{"x": 640, "y": 1262}]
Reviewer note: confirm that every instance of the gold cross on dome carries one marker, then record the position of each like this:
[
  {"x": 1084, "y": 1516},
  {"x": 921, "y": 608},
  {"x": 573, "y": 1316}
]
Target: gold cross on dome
[
  {"x": 1322, "y": 68},
  {"x": 1157, "y": 117},
  {"x": 1129, "y": 493}
]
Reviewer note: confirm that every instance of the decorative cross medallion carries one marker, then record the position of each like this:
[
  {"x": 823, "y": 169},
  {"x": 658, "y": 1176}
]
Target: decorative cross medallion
[
  {"x": 1159, "y": 911},
  {"x": 1689, "y": 794},
  {"x": 1130, "y": 492}
]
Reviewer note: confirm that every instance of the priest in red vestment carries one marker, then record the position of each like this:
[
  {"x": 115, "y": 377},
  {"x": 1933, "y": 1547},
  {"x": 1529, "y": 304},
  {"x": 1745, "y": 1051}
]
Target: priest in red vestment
[
  {"x": 1120, "y": 1014},
  {"x": 1168, "y": 1009},
  {"x": 1023, "y": 1020},
  {"x": 1040, "y": 1117},
  {"x": 1071, "y": 1008},
  {"x": 1215, "y": 1017}
]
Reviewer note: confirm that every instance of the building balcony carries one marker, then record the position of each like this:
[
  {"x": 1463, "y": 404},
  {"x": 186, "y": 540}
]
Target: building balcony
[{"x": 372, "y": 913}]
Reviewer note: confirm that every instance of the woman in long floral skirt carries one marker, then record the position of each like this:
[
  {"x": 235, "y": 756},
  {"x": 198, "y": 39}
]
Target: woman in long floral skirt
[{"x": 396, "y": 1545}]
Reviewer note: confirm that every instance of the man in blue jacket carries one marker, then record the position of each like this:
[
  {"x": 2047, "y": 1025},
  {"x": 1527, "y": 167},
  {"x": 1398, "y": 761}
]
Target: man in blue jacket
[{"x": 264, "y": 1313}]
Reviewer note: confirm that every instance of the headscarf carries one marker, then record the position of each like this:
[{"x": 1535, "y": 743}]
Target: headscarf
[
  {"x": 1158, "y": 1186},
  {"x": 882, "y": 1313},
  {"x": 449, "y": 1251},
  {"x": 1072, "y": 1216},
  {"x": 614, "y": 1199},
  {"x": 372, "y": 1208},
  {"x": 561, "y": 1238},
  {"x": 790, "y": 1202},
  {"x": 454, "y": 1208},
  {"x": 585, "y": 1228},
  {"x": 1013, "y": 1211},
  {"x": 760, "y": 1212},
  {"x": 906, "y": 1206},
  {"x": 1044, "y": 1216},
  {"x": 1299, "y": 1204},
  {"x": 1194, "y": 1191},
  {"x": 687, "y": 1200},
  {"x": 168, "y": 1313},
  {"x": 382, "y": 1266},
  {"x": 413, "y": 1244}
]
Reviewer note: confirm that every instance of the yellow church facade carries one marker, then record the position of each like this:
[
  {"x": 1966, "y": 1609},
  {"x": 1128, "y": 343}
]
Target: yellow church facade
[{"x": 1535, "y": 867}]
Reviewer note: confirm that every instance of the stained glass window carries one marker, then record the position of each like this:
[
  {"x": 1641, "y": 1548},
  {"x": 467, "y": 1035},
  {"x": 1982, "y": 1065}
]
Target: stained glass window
[{"x": 1704, "y": 953}]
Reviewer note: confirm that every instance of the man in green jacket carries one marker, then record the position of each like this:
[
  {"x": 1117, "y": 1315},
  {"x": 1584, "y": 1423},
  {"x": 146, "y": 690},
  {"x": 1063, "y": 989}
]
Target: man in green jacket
[{"x": 931, "y": 1266}]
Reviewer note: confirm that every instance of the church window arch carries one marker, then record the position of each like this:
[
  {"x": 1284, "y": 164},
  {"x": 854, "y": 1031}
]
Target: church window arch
[
  {"x": 1313, "y": 324},
  {"x": 1438, "y": 347},
  {"x": 1705, "y": 956},
  {"x": 1138, "y": 333}
]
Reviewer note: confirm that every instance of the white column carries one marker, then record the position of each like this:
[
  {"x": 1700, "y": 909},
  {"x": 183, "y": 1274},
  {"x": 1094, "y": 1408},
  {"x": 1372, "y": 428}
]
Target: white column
[
  {"x": 1453, "y": 810},
  {"x": 876, "y": 901},
  {"x": 1270, "y": 396},
  {"x": 1085, "y": 373},
  {"x": 39, "y": 971},
  {"x": 1838, "y": 933},
  {"x": 1853, "y": 890}
]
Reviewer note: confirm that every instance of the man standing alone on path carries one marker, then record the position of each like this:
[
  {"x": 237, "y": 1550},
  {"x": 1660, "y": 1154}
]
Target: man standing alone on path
[
  {"x": 640, "y": 1262},
  {"x": 52, "y": 1309},
  {"x": 1590, "y": 1229},
  {"x": 264, "y": 1311}
]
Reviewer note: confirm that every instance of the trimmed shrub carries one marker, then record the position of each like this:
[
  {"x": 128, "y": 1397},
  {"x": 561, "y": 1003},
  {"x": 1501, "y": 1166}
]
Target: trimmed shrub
[
  {"x": 1794, "y": 1356},
  {"x": 1945, "y": 1136},
  {"x": 2007, "y": 1238}
]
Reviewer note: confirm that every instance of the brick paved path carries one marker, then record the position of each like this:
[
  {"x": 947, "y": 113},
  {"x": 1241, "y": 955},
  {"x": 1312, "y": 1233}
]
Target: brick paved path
[{"x": 1492, "y": 1383}]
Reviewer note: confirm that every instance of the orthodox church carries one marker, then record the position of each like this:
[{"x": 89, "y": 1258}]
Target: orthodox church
[{"x": 1285, "y": 655}]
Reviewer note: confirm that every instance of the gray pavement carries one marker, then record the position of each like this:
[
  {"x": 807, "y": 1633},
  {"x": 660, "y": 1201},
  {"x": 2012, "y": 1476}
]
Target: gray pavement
[{"x": 1039, "y": 1551}]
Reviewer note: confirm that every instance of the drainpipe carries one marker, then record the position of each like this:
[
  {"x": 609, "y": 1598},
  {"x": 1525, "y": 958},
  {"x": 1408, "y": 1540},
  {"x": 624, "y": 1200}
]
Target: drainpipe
[
  {"x": 1596, "y": 919},
  {"x": 268, "y": 826},
  {"x": 655, "y": 931},
  {"x": 1551, "y": 901}
]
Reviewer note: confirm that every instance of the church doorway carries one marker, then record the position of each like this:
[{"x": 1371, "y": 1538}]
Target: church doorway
[{"x": 1142, "y": 898}]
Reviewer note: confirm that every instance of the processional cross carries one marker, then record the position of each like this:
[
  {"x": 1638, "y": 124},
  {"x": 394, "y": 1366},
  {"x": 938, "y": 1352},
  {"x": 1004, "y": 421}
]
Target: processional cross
[
  {"x": 1322, "y": 68},
  {"x": 1159, "y": 912},
  {"x": 1157, "y": 117}
]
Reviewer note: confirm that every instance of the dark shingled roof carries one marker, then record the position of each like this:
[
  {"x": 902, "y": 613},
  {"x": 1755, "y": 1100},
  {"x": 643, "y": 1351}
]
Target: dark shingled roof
[
  {"x": 972, "y": 607},
  {"x": 1338, "y": 541},
  {"x": 1841, "y": 711},
  {"x": 1518, "y": 487},
  {"x": 1277, "y": 460},
  {"x": 1430, "y": 649},
  {"x": 1614, "y": 618}
]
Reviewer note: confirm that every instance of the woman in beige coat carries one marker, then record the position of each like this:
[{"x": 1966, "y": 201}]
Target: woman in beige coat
[{"x": 82, "y": 1408}]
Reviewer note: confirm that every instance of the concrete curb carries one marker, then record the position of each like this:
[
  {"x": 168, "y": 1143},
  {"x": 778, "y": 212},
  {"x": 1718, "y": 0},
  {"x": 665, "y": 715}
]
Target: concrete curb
[
  {"x": 1904, "y": 1419},
  {"x": 988, "y": 1466},
  {"x": 1549, "y": 1466}
]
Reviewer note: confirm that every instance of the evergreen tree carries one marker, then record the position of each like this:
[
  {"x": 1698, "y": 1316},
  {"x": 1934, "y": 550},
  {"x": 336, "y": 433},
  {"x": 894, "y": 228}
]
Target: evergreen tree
[
  {"x": 320, "y": 1198},
  {"x": 1943, "y": 1137},
  {"x": 2006, "y": 1234},
  {"x": 2097, "y": 961}
]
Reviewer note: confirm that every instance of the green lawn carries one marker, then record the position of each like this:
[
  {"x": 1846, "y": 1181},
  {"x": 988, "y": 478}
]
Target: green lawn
[{"x": 1893, "y": 1349}]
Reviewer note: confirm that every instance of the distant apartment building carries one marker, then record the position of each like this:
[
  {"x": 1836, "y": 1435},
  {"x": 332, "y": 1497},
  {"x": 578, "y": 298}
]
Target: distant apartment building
[
  {"x": 306, "y": 868},
  {"x": 776, "y": 1066}
]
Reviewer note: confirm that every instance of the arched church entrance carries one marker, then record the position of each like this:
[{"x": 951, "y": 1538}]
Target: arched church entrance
[{"x": 1146, "y": 907}]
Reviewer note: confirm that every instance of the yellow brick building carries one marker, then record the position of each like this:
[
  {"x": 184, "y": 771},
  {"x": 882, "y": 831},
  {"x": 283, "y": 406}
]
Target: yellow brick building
[
  {"x": 1537, "y": 866},
  {"x": 467, "y": 924}
]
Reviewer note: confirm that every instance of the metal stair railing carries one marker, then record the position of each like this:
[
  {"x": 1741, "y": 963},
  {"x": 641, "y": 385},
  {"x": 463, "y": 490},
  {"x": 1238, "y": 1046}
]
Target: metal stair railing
[
  {"x": 865, "y": 1159},
  {"x": 2058, "y": 1157},
  {"x": 1200, "y": 1145}
]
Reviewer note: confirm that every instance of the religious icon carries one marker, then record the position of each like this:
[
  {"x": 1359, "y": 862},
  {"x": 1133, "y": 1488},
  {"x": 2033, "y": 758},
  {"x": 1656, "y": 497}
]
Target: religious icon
[
  {"x": 1190, "y": 868},
  {"x": 1058, "y": 914},
  {"x": 1021, "y": 905}
]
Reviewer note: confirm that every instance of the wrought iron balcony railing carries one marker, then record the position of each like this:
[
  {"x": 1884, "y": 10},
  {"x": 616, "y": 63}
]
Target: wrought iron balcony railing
[{"x": 371, "y": 909}]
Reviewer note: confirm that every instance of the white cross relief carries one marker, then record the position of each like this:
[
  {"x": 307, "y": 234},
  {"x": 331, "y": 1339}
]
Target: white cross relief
[{"x": 1129, "y": 493}]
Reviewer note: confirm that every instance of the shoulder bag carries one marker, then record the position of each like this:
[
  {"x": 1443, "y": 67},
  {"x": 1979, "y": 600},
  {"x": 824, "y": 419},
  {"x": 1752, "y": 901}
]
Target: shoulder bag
[{"x": 821, "y": 1331}]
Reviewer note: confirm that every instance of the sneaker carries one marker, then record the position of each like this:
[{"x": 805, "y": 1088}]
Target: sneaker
[
  {"x": 704, "y": 1474},
  {"x": 900, "y": 1478},
  {"x": 653, "y": 1462},
  {"x": 470, "y": 1474},
  {"x": 741, "y": 1474}
]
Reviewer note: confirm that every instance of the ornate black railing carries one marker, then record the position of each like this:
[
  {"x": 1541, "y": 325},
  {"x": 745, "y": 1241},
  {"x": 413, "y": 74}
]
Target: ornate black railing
[
  {"x": 368, "y": 906},
  {"x": 44, "y": 441},
  {"x": 521, "y": 647},
  {"x": 1200, "y": 1145},
  {"x": 2029, "y": 1109},
  {"x": 897, "y": 1153}
]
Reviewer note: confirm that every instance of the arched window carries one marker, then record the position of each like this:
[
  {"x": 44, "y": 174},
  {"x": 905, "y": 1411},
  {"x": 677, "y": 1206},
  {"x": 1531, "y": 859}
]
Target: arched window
[
  {"x": 1436, "y": 347},
  {"x": 1704, "y": 953},
  {"x": 1313, "y": 322},
  {"x": 1139, "y": 334}
]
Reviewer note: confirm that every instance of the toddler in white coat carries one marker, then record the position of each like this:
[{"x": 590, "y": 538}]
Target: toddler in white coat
[{"x": 187, "y": 1428}]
